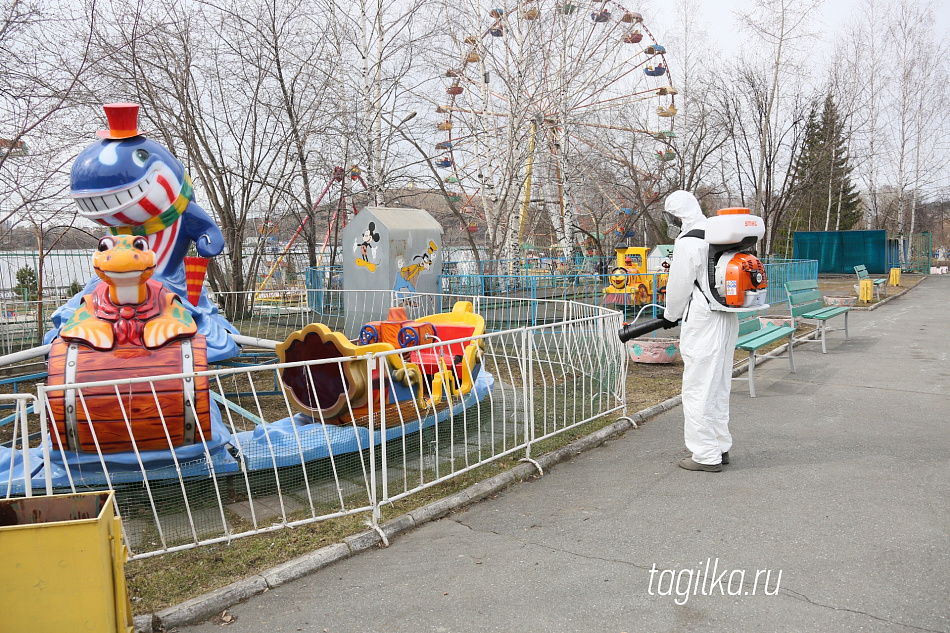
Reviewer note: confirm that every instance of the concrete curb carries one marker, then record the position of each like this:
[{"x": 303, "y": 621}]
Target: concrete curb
[
  {"x": 213, "y": 603},
  {"x": 203, "y": 607}
]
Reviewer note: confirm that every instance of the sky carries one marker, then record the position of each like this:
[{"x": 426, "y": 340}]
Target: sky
[{"x": 833, "y": 16}]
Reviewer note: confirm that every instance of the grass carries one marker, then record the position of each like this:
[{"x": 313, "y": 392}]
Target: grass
[{"x": 158, "y": 582}]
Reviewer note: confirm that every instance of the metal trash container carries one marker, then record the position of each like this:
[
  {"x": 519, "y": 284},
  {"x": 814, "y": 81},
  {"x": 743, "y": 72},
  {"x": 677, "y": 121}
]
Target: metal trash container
[{"x": 62, "y": 565}]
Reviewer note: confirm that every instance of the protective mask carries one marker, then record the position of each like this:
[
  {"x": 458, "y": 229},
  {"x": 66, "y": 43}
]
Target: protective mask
[{"x": 674, "y": 225}]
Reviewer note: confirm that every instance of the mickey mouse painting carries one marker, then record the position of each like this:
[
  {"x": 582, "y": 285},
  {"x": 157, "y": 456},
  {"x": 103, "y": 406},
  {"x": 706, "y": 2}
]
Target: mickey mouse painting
[{"x": 365, "y": 249}]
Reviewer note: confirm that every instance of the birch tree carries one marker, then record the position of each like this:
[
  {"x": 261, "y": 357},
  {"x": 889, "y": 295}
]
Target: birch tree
[{"x": 782, "y": 28}]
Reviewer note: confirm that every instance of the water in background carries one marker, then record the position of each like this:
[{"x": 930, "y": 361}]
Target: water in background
[{"x": 60, "y": 269}]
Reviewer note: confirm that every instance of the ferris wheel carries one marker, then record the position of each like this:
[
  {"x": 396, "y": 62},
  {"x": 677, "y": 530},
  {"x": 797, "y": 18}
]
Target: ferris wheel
[{"x": 550, "y": 105}]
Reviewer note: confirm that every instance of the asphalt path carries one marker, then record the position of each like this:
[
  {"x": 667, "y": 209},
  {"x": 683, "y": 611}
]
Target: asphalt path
[{"x": 834, "y": 515}]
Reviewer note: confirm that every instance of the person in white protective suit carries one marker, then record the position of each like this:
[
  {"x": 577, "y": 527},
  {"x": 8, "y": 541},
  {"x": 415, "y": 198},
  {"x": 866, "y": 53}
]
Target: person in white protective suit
[{"x": 707, "y": 339}]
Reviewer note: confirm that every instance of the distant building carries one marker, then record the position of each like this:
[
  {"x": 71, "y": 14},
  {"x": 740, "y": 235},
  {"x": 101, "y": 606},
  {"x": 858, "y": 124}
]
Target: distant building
[{"x": 12, "y": 148}]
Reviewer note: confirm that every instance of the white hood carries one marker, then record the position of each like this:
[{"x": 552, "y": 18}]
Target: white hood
[{"x": 685, "y": 206}]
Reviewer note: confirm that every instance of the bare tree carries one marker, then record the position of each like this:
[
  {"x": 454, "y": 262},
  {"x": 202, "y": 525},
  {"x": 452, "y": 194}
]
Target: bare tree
[
  {"x": 866, "y": 54},
  {"x": 782, "y": 28},
  {"x": 702, "y": 120},
  {"x": 284, "y": 43},
  {"x": 385, "y": 41},
  {"x": 44, "y": 58},
  {"x": 212, "y": 108},
  {"x": 769, "y": 176},
  {"x": 920, "y": 107}
]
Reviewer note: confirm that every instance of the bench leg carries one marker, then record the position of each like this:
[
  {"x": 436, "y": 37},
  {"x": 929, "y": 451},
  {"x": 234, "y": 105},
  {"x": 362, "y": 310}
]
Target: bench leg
[
  {"x": 846, "y": 337},
  {"x": 752, "y": 373},
  {"x": 791, "y": 353},
  {"x": 823, "y": 350}
]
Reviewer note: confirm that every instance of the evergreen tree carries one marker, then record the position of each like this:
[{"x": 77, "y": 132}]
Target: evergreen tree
[
  {"x": 842, "y": 210},
  {"x": 26, "y": 284},
  {"x": 826, "y": 198}
]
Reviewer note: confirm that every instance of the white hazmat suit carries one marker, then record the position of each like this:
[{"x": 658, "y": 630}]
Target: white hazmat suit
[{"x": 707, "y": 337}]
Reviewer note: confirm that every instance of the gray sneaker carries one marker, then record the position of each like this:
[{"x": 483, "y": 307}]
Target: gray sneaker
[
  {"x": 725, "y": 458},
  {"x": 689, "y": 464}
]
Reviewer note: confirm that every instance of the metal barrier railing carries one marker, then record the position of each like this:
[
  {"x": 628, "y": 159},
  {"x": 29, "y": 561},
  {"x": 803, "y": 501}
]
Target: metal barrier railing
[
  {"x": 911, "y": 253},
  {"x": 780, "y": 271},
  {"x": 256, "y": 463},
  {"x": 21, "y": 325},
  {"x": 592, "y": 288}
]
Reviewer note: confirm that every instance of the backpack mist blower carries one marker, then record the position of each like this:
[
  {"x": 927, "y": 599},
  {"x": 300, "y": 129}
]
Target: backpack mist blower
[{"x": 736, "y": 280}]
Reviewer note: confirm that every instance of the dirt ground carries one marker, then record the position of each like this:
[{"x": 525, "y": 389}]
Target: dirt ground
[{"x": 843, "y": 286}]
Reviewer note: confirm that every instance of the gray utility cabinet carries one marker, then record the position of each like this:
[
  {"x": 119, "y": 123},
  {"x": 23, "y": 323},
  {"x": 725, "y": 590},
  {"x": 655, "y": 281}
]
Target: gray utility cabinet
[{"x": 384, "y": 248}]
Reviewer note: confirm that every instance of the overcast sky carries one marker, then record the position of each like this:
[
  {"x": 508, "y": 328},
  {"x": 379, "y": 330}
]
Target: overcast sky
[{"x": 723, "y": 27}]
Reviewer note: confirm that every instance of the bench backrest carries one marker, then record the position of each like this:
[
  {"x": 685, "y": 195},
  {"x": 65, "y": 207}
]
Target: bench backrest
[
  {"x": 803, "y": 296},
  {"x": 749, "y": 322},
  {"x": 861, "y": 271}
]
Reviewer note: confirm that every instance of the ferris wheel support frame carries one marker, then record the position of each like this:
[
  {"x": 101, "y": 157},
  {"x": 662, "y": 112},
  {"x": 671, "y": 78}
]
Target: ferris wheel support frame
[
  {"x": 529, "y": 169},
  {"x": 552, "y": 174}
]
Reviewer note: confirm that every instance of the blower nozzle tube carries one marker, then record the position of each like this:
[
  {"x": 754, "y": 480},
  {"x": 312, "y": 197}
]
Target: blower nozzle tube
[{"x": 634, "y": 330}]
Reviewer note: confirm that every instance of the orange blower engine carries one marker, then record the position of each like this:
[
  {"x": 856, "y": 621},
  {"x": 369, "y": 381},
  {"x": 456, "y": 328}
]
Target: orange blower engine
[
  {"x": 741, "y": 279},
  {"x": 737, "y": 279}
]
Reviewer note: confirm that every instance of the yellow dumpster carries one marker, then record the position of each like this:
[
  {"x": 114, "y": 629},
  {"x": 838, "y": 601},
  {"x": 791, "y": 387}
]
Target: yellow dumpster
[
  {"x": 62, "y": 565},
  {"x": 895, "y": 278}
]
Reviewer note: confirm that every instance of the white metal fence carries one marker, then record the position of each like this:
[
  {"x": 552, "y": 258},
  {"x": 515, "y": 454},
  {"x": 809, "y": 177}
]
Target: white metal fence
[{"x": 254, "y": 463}]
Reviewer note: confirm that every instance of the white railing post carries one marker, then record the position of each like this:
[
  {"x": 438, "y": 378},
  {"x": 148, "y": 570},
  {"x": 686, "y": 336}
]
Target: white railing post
[
  {"x": 45, "y": 437},
  {"x": 21, "y": 407},
  {"x": 370, "y": 366},
  {"x": 624, "y": 365},
  {"x": 527, "y": 389},
  {"x": 384, "y": 466}
]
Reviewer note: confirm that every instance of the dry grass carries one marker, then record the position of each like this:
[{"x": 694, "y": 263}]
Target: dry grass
[
  {"x": 158, "y": 582},
  {"x": 843, "y": 286},
  {"x": 650, "y": 384}
]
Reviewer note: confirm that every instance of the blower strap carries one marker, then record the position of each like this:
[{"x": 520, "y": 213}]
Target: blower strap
[{"x": 701, "y": 234}]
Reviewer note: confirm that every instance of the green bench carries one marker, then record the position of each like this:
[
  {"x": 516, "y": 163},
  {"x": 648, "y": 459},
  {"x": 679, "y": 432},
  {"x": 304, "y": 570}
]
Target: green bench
[
  {"x": 862, "y": 273},
  {"x": 753, "y": 336},
  {"x": 805, "y": 301}
]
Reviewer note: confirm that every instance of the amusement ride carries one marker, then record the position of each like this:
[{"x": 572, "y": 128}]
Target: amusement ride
[{"x": 547, "y": 104}]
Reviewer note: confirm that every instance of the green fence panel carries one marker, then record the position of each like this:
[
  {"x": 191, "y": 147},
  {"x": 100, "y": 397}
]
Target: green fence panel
[{"x": 838, "y": 252}]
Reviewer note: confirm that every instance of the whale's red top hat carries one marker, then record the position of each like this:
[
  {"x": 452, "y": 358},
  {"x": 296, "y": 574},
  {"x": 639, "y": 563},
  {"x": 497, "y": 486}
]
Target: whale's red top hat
[{"x": 123, "y": 121}]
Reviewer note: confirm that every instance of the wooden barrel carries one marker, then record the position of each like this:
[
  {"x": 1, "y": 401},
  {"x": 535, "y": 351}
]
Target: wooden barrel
[{"x": 183, "y": 403}]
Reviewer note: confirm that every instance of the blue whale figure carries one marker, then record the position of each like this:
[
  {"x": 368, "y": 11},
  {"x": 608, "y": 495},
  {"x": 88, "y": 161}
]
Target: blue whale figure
[{"x": 135, "y": 186}]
